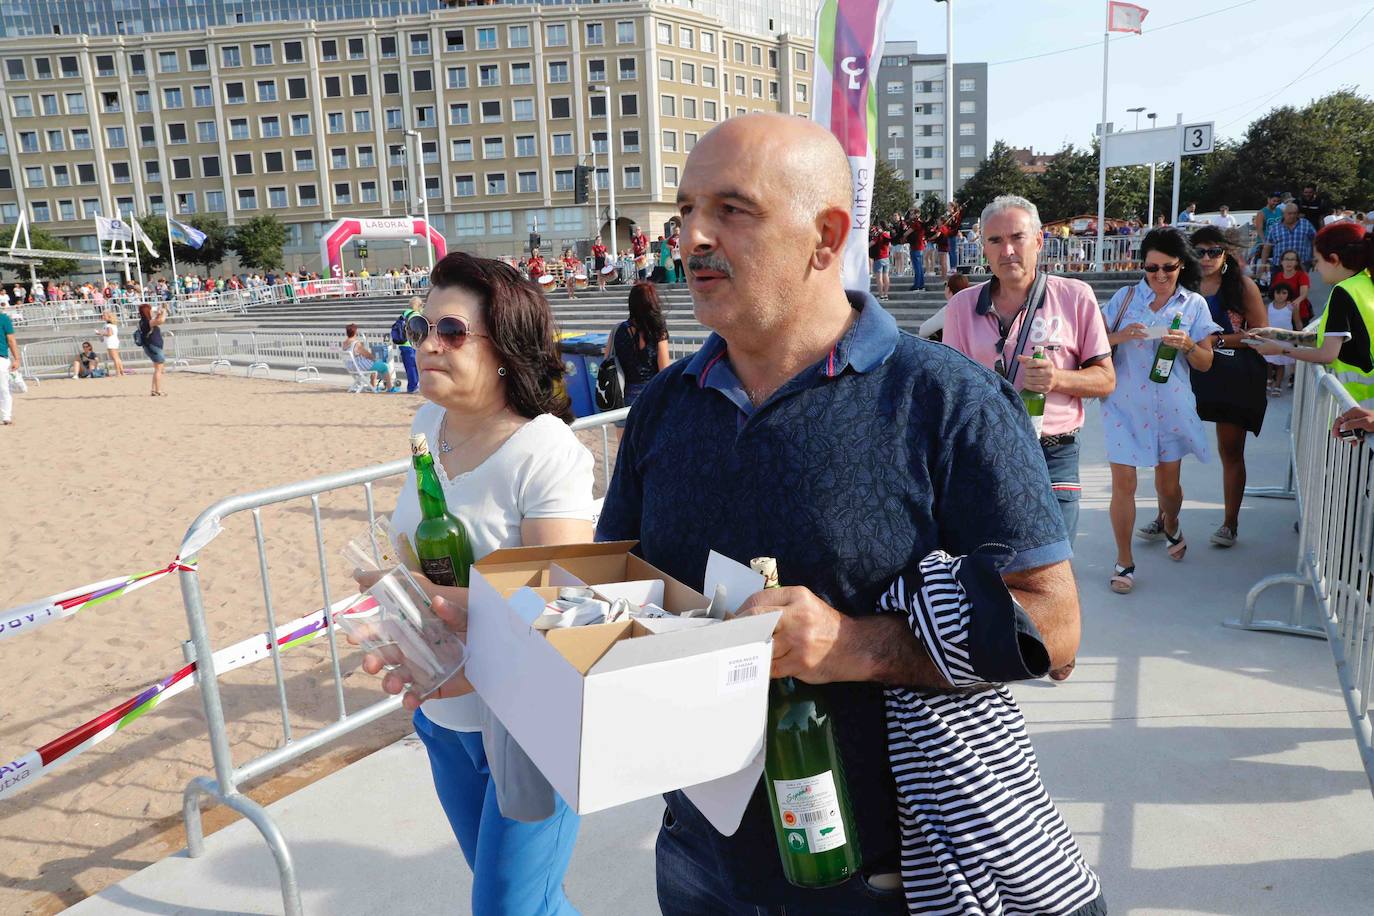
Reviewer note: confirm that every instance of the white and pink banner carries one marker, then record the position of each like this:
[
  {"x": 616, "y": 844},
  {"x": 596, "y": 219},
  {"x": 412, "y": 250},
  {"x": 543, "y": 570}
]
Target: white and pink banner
[
  {"x": 398, "y": 227},
  {"x": 1125, "y": 17},
  {"x": 849, "y": 48}
]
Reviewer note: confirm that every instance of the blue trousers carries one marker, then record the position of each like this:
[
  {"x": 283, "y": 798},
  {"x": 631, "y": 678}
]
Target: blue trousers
[
  {"x": 517, "y": 868},
  {"x": 1062, "y": 461},
  {"x": 918, "y": 270},
  {"x": 412, "y": 373}
]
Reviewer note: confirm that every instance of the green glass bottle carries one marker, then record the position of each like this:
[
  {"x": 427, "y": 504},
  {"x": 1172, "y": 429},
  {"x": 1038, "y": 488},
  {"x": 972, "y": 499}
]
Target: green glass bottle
[
  {"x": 441, "y": 541},
  {"x": 1165, "y": 356},
  {"x": 1035, "y": 400},
  {"x": 812, "y": 816}
]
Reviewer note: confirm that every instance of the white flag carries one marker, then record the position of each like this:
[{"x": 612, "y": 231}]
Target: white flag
[
  {"x": 142, "y": 236},
  {"x": 111, "y": 230},
  {"x": 1125, "y": 17}
]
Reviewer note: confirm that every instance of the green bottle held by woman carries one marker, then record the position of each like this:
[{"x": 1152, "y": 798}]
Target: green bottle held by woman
[
  {"x": 812, "y": 816},
  {"x": 441, "y": 541},
  {"x": 1165, "y": 356}
]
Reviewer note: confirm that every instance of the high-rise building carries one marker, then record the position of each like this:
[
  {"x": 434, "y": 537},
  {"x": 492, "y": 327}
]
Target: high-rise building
[
  {"x": 911, "y": 118},
  {"x": 308, "y": 123}
]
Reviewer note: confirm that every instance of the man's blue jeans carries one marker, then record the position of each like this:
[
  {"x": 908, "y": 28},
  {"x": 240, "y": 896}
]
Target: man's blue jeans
[
  {"x": 918, "y": 269},
  {"x": 1062, "y": 461},
  {"x": 412, "y": 373}
]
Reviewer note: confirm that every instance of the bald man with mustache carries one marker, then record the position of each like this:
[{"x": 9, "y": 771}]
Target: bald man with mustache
[{"x": 810, "y": 429}]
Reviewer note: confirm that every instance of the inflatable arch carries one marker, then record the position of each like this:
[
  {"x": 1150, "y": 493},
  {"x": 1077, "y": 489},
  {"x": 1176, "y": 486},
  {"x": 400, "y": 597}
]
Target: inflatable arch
[{"x": 400, "y": 227}]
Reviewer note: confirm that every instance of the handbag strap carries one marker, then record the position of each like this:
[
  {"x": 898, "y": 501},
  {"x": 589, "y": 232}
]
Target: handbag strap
[{"x": 1125, "y": 304}]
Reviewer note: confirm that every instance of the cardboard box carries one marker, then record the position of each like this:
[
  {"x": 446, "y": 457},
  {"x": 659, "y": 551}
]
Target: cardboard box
[{"x": 617, "y": 712}]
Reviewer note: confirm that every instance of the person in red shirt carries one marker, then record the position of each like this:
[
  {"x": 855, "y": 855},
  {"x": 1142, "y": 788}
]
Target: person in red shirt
[
  {"x": 571, "y": 267},
  {"x": 916, "y": 238},
  {"x": 599, "y": 260},
  {"x": 639, "y": 243},
  {"x": 535, "y": 266},
  {"x": 880, "y": 249}
]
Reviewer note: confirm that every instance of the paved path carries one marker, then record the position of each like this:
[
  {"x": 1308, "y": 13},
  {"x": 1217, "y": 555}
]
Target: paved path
[{"x": 1203, "y": 769}]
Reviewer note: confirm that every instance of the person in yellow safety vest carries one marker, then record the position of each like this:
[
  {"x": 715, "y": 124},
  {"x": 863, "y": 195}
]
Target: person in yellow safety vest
[{"x": 1345, "y": 254}]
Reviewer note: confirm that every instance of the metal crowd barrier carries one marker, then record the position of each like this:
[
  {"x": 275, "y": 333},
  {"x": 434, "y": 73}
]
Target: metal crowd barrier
[
  {"x": 1335, "y": 547},
  {"x": 224, "y": 788}
]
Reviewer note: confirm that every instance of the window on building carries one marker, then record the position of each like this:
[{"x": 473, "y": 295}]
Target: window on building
[
  {"x": 665, "y": 69},
  {"x": 464, "y": 186},
  {"x": 120, "y": 173},
  {"x": 338, "y": 157},
  {"x": 61, "y": 176},
  {"x": 238, "y": 128},
  {"x": 665, "y": 33},
  {"x": 247, "y": 199},
  {"x": 489, "y": 75},
  {"x": 329, "y": 49},
  {"x": 171, "y": 98},
  {"x": 454, "y": 41},
  {"x": 367, "y": 192},
  {"x": 76, "y": 102},
  {"x": 243, "y": 163},
  {"x": 668, "y": 106},
  {"x": 176, "y": 133},
  {"x": 496, "y": 183},
  {"x": 555, "y": 35},
  {"x": 356, "y": 49},
  {"x": 214, "y": 201},
  {"x": 23, "y": 105},
  {"x": 518, "y": 36},
  {"x": 33, "y": 177},
  {"x": 522, "y": 110},
  {"x": 262, "y": 55},
  {"x": 629, "y": 141},
  {"x": 524, "y": 146},
  {"x": 85, "y": 173},
  {"x": 42, "y": 211},
  {"x": 269, "y": 126},
  {"x": 670, "y": 175},
  {"x": 42, "y": 68},
  {"x": 493, "y": 148},
  {"x": 560, "y": 107},
  {"x": 757, "y": 85},
  {"x": 968, "y": 107},
  {"x": 303, "y": 160},
  {"x": 628, "y": 68},
  {"x": 266, "y": 90},
  {"x": 966, "y": 151},
  {"x": 386, "y": 44},
  {"x": 670, "y": 141},
  {"x": 558, "y": 71},
  {"x": 631, "y": 177},
  {"x": 295, "y": 87},
  {"x": 689, "y": 108},
  {"x": 629, "y": 105},
  {"x": 459, "y": 113},
  {"x": 422, "y": 80},
  {"x": 486, "y": 39},
  {"x": 362, "y": 120},
  {"x": 596, "y": 105},
  {"x": 167, "y": 62},
  {"x": 28, "y": 141},
  {"x": 147, "y": 135},
  {"x": 527, "y": 182},
  {"x": 625, "y": 32},
  {"x": 471, "y": 224},
  {"x": 461, "y": 150},
  {"x": 206, "y": 132},
  {"x": 392, "y": 119},
  {"x": 457, "y": 78},
  {"x": 335, "y": 122},
  {"x": 115, "y": 138},
  {"x": 562, "y": 144},
  {"x": 595, "y": 33},
  {"x": 419, "y": 44},
  {"x": 739, "y": 85},
  {"x": 366, "y": 157},
  {"x": 357, "y": 83},
  {"x": 968, "y": 85},
  {"x": 14, "y": 69},
  {"x": 708, "y": 109},
  {"x": 343, "y": 192},
  {"x": 491, "y": 111},
  {"x": 300, "y": 125},
  {"x": 563, "y": 180}
]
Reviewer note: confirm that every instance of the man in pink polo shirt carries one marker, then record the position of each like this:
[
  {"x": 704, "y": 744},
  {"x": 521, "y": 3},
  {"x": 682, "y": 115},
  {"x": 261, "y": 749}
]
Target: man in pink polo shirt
[{"x": 989, "y": 324}]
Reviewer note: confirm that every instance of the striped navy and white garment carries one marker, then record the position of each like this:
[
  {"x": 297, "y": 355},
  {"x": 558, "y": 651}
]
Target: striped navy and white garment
[{"x": 980, "y": 836}]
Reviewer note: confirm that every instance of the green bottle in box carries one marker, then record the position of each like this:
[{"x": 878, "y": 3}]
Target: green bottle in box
[
  {"x": 804, "y": 776},
  {"x": 441, "y": 541}
]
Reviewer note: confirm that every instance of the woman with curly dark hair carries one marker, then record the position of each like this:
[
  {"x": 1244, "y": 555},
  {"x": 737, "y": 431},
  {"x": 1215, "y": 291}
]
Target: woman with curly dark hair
[
  {"x": 496, "y": 420},
  {"x": 1149, "y": 423},
  {"x": 640, "y": 344}
]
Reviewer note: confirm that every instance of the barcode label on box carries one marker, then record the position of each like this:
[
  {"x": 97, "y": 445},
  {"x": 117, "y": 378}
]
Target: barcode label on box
[{"x": 740, "y": 672}]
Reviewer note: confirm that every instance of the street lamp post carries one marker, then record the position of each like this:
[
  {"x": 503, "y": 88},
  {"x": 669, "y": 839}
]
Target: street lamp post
[
  {"x": 1136, "y": 112},
  {"x": 949, "y": 100},
  {"x": 424, "y": 193},
  {"x": 1151, "y": 224},
  {"x": 610, "y": 163}
]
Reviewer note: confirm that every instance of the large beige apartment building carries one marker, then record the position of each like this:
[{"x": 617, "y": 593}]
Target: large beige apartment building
[{"x": 307, "y": 120}]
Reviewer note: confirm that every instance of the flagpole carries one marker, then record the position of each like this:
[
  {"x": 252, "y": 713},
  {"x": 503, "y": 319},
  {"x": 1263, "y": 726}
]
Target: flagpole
[
  {"x": 100, "y": 246},
  {"x": 171, "y": 253},
  {"x": 1102, "y": 148},
  {"x": 138, "y": 262}
]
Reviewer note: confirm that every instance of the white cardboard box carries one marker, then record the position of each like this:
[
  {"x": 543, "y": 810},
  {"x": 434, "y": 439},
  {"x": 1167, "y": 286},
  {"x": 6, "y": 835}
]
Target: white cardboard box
[{"x": 618, "y": 712}]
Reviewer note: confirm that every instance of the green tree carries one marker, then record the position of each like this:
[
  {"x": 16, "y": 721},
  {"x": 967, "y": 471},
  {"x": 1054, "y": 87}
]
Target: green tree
[
  {"x": 932, "y": 208},
  {"x": 258, "y": 242},
  {"x": 999, "y": 174},
  {"x": 890, "y": 193},
  {"x": 52, "y": 268},
  {"x": 1069, "y": 185}
]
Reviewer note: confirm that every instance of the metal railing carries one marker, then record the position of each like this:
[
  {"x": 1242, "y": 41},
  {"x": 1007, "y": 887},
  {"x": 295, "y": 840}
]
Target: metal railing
[
  {"x": 1335, "y": 564},
  {"x": 229, "y": 775}
]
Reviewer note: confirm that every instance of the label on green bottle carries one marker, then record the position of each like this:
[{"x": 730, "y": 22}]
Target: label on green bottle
[
  {"x": 1163, "y": 367},
  {"x": 439, "y": 570},
  {"x": 1038, "y": 423},
  {"x": 810, "y": 813}
]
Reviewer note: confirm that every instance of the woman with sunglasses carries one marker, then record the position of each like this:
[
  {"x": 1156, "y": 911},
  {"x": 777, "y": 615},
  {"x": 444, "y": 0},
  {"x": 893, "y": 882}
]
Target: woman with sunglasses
[
  {"x": 497, "y": 422},
  {"x": 1232, "y": 395},
  {"x": 1149, "y": 424}
]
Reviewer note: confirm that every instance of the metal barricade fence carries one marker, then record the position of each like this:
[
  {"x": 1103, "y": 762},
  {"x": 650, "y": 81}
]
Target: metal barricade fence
[
  {"x": 224, "y": 788},
  {"x": 1335, "y": 564}
]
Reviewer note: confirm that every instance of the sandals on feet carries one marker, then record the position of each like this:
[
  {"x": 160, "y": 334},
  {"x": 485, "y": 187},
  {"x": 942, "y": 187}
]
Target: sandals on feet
[
  {"x": 1123, "y": 579},
  {"x": 1151, "y": 532},
  {"x": 1178, "y": 545}
]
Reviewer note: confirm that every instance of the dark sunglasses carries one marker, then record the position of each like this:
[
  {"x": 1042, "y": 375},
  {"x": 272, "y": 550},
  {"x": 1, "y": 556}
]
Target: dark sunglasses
[
  {"x": 451, "y": 329},
  {"x": 1167, "y": 268},
  {"x": 1211, "y": 252}
]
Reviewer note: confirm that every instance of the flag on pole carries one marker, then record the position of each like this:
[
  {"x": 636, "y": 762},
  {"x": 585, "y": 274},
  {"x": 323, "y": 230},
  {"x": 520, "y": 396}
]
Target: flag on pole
[
  {"x": 183, "y": 234},
  {"x": 141, "y": 236},
  {"x": 849, "y": 46},
  {"x": 112, "y": 230},
  {"x": 1125, "y": 17}
]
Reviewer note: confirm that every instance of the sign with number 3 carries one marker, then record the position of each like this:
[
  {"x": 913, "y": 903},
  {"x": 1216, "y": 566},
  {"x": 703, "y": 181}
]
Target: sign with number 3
[{"x": 1197, "y": 138}]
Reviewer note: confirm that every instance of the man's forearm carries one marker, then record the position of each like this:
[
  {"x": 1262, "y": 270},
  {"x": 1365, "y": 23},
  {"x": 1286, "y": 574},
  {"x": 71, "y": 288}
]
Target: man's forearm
[
  {"x": 1049, "y": 596},
  {"x": 1096, "y": 381},
  {"x": 883, "y": 649}
]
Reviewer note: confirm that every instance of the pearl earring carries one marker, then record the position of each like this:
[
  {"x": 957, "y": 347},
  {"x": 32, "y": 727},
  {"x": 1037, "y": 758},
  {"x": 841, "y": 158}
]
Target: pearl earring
[{"x": 501, "y": 372}]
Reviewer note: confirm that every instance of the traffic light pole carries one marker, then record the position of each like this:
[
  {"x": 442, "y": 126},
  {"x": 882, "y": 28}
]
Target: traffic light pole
[{"x": 596, "y": 194}]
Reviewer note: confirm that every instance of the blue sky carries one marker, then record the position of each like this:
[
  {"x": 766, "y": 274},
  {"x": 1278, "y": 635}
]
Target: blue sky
[{"x": 1222, "y": 67}]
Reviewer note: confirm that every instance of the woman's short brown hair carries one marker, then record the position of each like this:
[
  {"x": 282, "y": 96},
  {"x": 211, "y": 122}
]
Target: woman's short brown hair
[
  {"x": 520, "y": 325},
  {"x": 351, "y": 330},
  {"x": 956, "y": 282}
]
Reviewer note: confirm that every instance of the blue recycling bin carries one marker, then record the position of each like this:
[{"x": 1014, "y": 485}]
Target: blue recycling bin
[{"x": 581, "y": 360}]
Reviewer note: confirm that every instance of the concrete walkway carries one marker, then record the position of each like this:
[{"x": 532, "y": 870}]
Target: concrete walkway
[{"x": 1203, "y": 769}]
